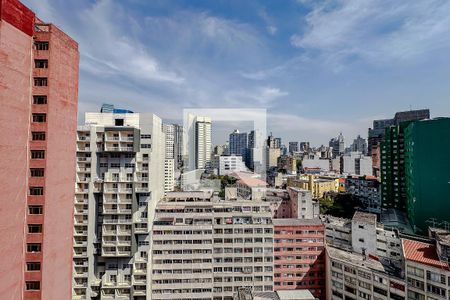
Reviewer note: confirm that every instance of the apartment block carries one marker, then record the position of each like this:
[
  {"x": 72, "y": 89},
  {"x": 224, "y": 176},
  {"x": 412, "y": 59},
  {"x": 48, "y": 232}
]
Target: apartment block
[
  {"x": 198, "y": 133},
  {"x": 299, "y": 259},
  {"x": 356, "y": 163},
  {"x": 229, "y": 164},
  {"x": 120, "y": 162},
  {"x": 427, "y": 274},
  {"x": 174, "y": 143},
  {"x": 238, "y": 144},
  {"x": 169, "y": 175},
  {"x": 357, "y": 276},
  {"x": 39, "y": 94},
  {"x": 207, "y": 248},
  {"x": 363, "y": 234},
  {"x": 413, "y": 171}
]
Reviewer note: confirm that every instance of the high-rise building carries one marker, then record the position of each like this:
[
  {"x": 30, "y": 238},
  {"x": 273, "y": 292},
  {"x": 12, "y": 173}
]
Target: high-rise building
[
  {"x": 206, "y": 248},
  {"x": 38, "y": 92},
  {"x": 118, "y": 159},
  {"x": 238, "y": 144},
  {"x": 299, "y": 259},
  {"x": 413, "y": 164},
  {"x": 304, "y": 146},
  {"x": 293, "y": 147},
  {"x": 169, "y": 175},
  {"x": 199, "y": 142},
  {"x": 174, "y": 143},
  {"x": 426, "y": 170},
  {"x": 338, "y": 145},
  {"x": 359, "y": 145},
  {"x": 255, "y": 155},
  {"x": 376, "y": 134},
  {"x": 273, "y": 142}
]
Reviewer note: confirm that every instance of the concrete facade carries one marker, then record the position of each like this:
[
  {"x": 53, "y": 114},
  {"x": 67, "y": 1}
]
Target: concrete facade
[
  {"x": 118, "y": 159},
  {"x": 38, "y": 91},
  {"x": 206, "y": 248}
]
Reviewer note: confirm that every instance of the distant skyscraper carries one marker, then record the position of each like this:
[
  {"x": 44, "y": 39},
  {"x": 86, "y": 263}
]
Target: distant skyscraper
[
  {"x": 238, "y": 144},
  {"x": 199, "y": 142},
  {"x": 273, "y": 142},
  {"x": 38, "y": 120},
  {"x": 359, "y": 145},
  {"x": 293, "y": 147},
  {"x": 338, "y": 145},
  {"x": 304, "y": 146},
  {"x": 174, "y": 143}
]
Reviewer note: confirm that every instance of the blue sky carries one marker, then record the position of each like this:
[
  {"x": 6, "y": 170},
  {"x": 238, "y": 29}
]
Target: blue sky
[{"x": 319, "y": 67}]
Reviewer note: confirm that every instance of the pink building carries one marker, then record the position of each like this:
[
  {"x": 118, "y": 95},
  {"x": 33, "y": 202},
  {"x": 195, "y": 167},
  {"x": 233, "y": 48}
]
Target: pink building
[
  {"x": 299, "y": 261},
  {"x": 38, "y": 116}
]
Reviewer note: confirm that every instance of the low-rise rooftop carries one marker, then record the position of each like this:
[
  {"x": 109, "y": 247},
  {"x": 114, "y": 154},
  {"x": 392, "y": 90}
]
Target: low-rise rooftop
[
  {"x": 423, "y": 253},
  {"x": 364, "y": 217}
]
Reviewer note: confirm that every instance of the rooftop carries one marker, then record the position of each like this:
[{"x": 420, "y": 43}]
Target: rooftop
[
  {"x": 369, "y": 262},
  {"x": 253, "y": 182},
  {"x": 365, "y": 217},
  {"x": 355, "y": 259},
  {"x": 423, "y": 253},
  {"x": 294, "y": 222}
]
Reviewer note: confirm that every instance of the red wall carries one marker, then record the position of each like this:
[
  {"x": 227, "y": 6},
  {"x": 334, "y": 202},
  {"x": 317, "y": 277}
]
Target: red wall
[
  {"x": 15, "y": 90},
  {"x": 60, "y": 167}
]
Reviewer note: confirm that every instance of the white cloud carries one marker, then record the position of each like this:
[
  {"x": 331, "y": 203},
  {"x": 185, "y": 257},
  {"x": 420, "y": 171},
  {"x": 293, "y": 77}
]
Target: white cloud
[
  {"x": 260, "y": 96},
  {"x": 272, "y": 30},
  {"x": 377, "y": 31}
]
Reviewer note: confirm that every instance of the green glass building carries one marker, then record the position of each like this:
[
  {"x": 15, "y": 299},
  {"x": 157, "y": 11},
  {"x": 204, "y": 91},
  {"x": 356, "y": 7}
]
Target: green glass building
[{"x": 415, "y": 171}]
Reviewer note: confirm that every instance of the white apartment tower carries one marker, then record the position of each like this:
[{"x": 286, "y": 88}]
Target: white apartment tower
[
  {"x": 120, "y": 167},
  {"x": 198, "y": 141},
  {"x": 207, "y": 248}
]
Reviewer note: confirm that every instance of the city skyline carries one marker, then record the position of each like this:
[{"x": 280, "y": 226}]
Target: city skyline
[{"x": 214, "y": 55}]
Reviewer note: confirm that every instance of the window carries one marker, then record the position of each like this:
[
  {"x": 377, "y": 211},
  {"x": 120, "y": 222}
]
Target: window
[
  {"x": 35, "y": 209},
  {"x": 39, "y": 118},
  {"x": 36, "y": 191},
  {"x": 33, "y": 247},
  {"x": 37, "y": 172},
  {"x": 40, "y": 99},
  {"x": 146, "y": 136},
  {"x": 37, "y": 154},
  {"x": 41, "y": 45},
  {"x": 38, "y": 136},
  {"x": 34, "y": 228},
  {"x": 41, "y": 63},
  {"x": 40, "y": 81},
  {"x": 33, "y": 266},
  {"x": 33, "y": 285},
  {"x": 146, "y": 146},
  {"x": 118, "y": 122}
]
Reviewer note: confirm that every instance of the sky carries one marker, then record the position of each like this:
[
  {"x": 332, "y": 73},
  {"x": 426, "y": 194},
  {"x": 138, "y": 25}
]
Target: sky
[{"x": 318, "y": 67}]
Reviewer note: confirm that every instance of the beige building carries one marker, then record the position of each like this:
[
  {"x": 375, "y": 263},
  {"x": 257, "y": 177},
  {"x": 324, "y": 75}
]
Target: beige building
[
  {"x": 318, "y": 185},
  {"x": 115, "y": 196},
  {"x": 355, "y": 276},
  {"x": 427, "y": 274},
  {"x": 207, "y": 248}
]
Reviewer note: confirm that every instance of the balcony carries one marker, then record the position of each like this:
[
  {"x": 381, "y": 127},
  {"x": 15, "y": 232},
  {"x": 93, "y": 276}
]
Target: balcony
[
  {"x": 142, "y": 189},
  {"x": 84, "y": 159}
]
